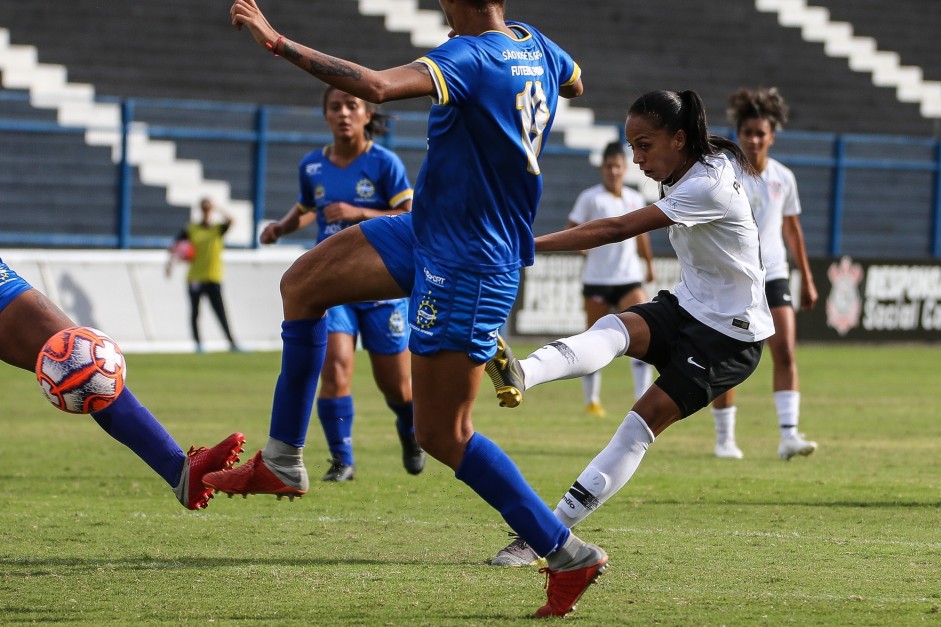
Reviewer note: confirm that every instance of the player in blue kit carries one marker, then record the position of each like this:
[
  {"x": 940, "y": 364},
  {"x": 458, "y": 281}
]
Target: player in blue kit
[
  {"x": 458, "y": 254},
  {"x": 28, "y": 318},
  {"x": 347, "y": 182}
]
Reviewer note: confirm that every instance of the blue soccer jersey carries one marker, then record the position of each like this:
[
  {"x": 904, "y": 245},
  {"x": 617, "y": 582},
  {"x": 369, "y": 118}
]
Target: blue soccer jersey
[
  {"x": 375, "y": 180},
  {"x": 479, "y": 186}
]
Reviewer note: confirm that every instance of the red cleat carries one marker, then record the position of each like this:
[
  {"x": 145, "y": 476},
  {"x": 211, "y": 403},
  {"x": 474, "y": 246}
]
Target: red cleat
[
  {"x": 565, "y": 587},
  {"x": 199, "y": 461},
  {"x": 252, "y": 477}
]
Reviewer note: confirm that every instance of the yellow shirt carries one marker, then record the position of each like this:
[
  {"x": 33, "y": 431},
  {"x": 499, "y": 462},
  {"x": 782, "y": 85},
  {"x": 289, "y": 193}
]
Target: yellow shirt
[{"x": 206, "y": 266}]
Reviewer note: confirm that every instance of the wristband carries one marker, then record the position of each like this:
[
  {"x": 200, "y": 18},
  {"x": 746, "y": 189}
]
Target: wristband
[{"x": 274, "y": 47}]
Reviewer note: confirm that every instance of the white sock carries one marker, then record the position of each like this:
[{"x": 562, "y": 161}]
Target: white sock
[
  {"x": 608, "y": 471},
  {"x": 643, "y": 373},
  {"x": 725, "y": 423},
  {"x": 578, "y": 355},
  {"x": 788, "y": 403},
  {"x": 591, "y": 386}
]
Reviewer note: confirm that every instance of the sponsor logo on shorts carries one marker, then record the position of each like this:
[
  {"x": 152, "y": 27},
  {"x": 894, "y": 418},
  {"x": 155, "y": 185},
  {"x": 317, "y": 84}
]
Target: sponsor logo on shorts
[
  {"x": 692, "y": 361},
  {"x": 433, "y": 278}
]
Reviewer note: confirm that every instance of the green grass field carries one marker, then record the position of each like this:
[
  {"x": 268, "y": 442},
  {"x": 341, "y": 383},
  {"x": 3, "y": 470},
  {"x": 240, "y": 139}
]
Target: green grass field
[{"x": 848, "y": 536}]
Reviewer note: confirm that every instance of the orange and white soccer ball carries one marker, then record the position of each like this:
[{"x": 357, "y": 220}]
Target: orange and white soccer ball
[{"x": 81, "y": 370}]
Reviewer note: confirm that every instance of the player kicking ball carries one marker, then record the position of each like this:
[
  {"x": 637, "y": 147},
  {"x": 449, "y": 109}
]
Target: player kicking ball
[{"x": 457, "y": 256}]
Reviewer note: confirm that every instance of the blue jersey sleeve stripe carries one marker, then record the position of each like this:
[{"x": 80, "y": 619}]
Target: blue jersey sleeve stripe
[
  {"x": 576, "y": 74},
  {"x": 399, "y": 198},
  {"x": 438, "y": 78}
]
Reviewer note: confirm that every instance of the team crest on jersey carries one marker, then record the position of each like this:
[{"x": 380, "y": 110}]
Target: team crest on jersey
[
  {"x": 319, "y": 192},
  {"x": 844, "y": 305},
  {"x": 365, "y": 188},
  {"x": 775, "y": 190}
]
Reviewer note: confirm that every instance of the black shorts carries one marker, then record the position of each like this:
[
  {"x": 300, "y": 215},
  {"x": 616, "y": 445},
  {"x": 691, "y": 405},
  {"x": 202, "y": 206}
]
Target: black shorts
[
  {"x": 611, "y": 294},
  {"x": 778, "y": 293},
  {"x": 696, "y": 363}
]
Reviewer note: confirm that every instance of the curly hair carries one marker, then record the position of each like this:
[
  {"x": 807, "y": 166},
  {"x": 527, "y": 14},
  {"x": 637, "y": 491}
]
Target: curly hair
[{"x": 764, "y": 103}]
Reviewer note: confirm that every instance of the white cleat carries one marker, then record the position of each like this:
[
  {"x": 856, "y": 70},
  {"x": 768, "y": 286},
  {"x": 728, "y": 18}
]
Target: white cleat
[
  {"x": 795, "y": 445},
  {"x": 727, "y": 449}
]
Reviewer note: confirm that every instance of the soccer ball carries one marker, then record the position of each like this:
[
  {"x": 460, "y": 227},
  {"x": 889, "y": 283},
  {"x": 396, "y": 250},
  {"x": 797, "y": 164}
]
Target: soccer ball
[
  {"x": 183, "y": 250},
  {"x": 81, "y": 370}
]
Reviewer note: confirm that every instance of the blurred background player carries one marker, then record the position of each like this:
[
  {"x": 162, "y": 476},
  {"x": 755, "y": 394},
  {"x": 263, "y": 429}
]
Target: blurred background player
[
  {"x": 204, "y": 277},
  {"x": 28, "y": 318},
  {"x": 757, "y": 116},
  {"x": 613, "y": 276},
  {"x": 347, "y": 182},
  {"x": 495, "y": 87}
]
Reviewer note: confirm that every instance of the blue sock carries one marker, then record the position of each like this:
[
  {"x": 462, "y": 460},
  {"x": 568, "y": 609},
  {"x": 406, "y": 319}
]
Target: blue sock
[
  {"x": 132, "y": 424},
  {"x": 494, "y": 476},
  {"x": 305, "y": 344},
  {"x": 404, "y": 419},
  {"x": 336, "y": 418}
]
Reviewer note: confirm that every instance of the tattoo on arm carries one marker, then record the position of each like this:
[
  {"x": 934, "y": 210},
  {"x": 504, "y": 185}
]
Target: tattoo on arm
[
  {"x": 321, "y": 64},
  {"x": 419, "y": 68}
]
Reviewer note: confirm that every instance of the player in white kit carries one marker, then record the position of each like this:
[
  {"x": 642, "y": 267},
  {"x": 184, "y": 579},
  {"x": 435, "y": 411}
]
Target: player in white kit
[
  {"x": 704, "y": 338},
  {"x": 757, "y": 116}
]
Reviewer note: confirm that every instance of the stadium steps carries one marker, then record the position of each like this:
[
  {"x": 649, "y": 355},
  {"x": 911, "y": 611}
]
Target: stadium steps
[
  {"x": 862, "y": 53},
  {"x": 156, "y": 161}
]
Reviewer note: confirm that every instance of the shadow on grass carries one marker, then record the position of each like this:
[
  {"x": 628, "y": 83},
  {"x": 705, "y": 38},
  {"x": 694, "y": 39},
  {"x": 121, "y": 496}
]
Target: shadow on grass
[
  {"x": 787, "y": 503},
  {"x": 151, "y": 563}
]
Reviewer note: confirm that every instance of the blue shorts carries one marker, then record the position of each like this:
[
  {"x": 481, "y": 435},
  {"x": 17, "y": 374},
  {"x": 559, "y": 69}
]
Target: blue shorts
[
  {"x": 450, "y": 308},
  {"x": 11, "y": 285},
  {"x": 381, "y": 323}
]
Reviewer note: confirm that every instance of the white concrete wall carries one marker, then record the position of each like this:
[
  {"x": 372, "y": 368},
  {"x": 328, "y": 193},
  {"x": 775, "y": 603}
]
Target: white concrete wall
[{"x": 127, "y": 295}]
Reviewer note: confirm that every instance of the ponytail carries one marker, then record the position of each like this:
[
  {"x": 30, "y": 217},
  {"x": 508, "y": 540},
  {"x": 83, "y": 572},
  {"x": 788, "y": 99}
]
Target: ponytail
[{"x": 685, "y": 111}]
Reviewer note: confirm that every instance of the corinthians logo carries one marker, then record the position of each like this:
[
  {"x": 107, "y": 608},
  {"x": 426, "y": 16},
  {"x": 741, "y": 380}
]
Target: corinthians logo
[{"x": 844, "y": 305}]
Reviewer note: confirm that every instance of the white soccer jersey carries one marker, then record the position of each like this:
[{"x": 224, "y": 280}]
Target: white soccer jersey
[
  {"x": 722, "y": 283},
  {"x": 612, "y": 264},
  {"x": 772, "y": 197}
]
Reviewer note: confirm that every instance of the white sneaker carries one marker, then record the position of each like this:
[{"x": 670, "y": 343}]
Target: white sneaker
[
  {"x": 726, "y": 449},
  {"x": 795, "y": 445}
]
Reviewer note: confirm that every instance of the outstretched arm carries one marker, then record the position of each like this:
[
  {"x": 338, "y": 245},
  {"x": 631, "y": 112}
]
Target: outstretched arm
[
  {"x": 604, "y": 231},
  {"x": 399, "y": 83}
]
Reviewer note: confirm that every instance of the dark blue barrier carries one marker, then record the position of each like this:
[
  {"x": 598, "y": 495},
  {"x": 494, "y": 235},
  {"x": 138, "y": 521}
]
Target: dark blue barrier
[{"x": 866, "y": 195}]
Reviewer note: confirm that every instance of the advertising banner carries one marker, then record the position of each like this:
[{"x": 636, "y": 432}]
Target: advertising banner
[
  {"x": 874, "y": 301},
  {"x": 859, "y": 300},
  {"x": 550, "y": 301}
]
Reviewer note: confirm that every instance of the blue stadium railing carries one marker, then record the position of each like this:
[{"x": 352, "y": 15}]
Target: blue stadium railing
[{"x": 831, "y": 168}]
